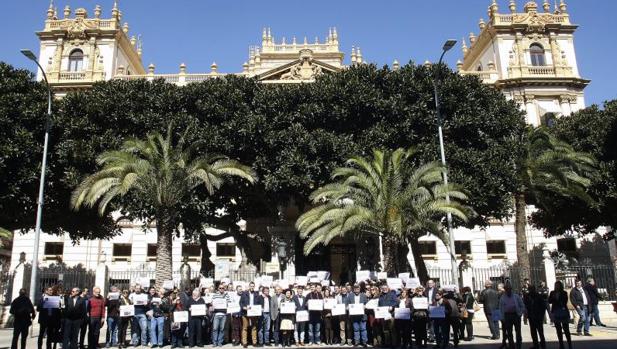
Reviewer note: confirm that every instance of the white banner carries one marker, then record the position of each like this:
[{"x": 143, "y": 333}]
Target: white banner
[
  {"x": 219, "y": 303},
  {"x": 181, "y": 316},
  {"x": 113, "y": 296},
  {"x": 302, "y": 316},
  {"x": 329, "y": 303},
  {"x": 363, "y": 275},
  {"x": 288, "y": 308},
  {"x": 412, "y": 283},
  {"x": 395, "y": 283},
  {"x": 140, "y": 299},
  {"x": 382, "y": 275},
  {"x": 356, "y": 309},
  {"x": 382, "y": 313},
  {"x": 127, "y": 310},
  {"x": 253, "y": 310},
  {"x": 420, "y": 302},
  {"x": 198, "y": 310},
  {"x": 315, "y": 304},
  {"x": 338, "y": 309}
]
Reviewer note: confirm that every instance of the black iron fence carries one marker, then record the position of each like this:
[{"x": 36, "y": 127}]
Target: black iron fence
[{"x": 605, "y": 277}]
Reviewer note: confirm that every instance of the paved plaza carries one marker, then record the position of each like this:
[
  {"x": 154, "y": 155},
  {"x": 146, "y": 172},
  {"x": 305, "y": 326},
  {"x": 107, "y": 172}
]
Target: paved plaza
[{"x": 602, "y": 338}]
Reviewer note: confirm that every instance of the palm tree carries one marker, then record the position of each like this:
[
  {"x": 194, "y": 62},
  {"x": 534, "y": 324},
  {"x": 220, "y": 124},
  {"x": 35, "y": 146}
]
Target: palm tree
[
  {"x": 383, "y": 196},
  {"x": 163, "y": 176},
  {"x": 546, "y": 166}
]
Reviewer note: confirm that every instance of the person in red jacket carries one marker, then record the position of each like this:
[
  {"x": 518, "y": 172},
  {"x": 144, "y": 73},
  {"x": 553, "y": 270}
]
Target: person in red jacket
[{"x": 96, "y": 313}]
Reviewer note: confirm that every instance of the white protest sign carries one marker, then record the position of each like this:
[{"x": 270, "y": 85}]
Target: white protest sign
[
  {"x": 449, "y": 288},
  {"x": 233, "y": 308},
  {"x": 314, "y": 280},
  {"x": 219, "y": 303},
  {"x": 404, "y": 275},
  {"x": 356, "y": 309},
  {"x": 253, "y": 310},
  {"x": 168, "y": 284},
  {"x": 420, "y": 302},
  {"x": 315, "y": 304},
  {"x": 288, "y": 308},
  {"x": 382, "y": 275},
  {"x": 156, "y": 300},
  {"x": 207, "y": 298},
  {"x": 437, "y": 312},
  {"x": 412, "y": 283},
  {"x": 363, "y": 275},
  {"x": 323, "y": 275},
  {"x": 113, "y": 296},
  {"x": 302, "y": 316},
  {"x": 339, "y": 309},
  {"x": 266, "y": 280},
  {"x": 198, "y": 310},
  {"x": 395, "y": 283},
  {"x": 144, "y": 282},
  {"x": 51, "y": 302},
  {"x": 181, "y": 316},
  {"x": 226, "y": 281},
  {"x": 382, "y": 313},
  {"x": 127, "y": 310},
  {"x": 329, "y": 303},
  {"x": 140, "y": 299},
  {"x": 402, "y": 313},
  {"x": 284, "y": 284},
  {"x": 325, "y": 283},
  {"x": 205, "y": 282},
  {"x": 372, "y": 304}
]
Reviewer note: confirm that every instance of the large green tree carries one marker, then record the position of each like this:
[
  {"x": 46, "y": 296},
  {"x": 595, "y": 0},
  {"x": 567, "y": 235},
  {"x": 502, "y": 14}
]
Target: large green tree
[
  {"x": 163, "y": 175},
  {"x": 385, "y": 196},
  {"x": 547, "y": 167},
  {"x": 592, "y": 130}
]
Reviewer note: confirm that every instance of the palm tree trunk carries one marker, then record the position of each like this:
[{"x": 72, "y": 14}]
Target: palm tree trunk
[
  {"x": 390, "y": 254},
  {"x": 164, "y": 230},
  {"x": 520, "y": 225},
  {"x": 206, "y": 264},
  {"x": 419, "y": 261}
]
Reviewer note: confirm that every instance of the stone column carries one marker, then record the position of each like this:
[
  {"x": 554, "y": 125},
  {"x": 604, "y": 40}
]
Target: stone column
[
  {"x": 532, "y": 112},
  {"x": 101, "y": 278},
  {"x": 564, "y": 103},
  {"x": 549, "y": 268}
]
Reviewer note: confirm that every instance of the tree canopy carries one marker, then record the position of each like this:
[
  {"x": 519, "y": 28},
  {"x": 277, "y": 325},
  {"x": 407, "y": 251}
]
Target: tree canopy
[{"x": 292, "y": 135}]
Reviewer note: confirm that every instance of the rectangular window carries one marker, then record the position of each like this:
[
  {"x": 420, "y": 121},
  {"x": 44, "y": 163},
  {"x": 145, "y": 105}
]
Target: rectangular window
[
  {"x": 567, "y": 246},
  {"x": 225, "y": 250},
  {"x": 461, "y": 247},
  {"x": 122, "y": 250},
  {"x": 428, "y": 248},
  {"x": 152, "y": 250},
  {"x": 54, "y": 248},
  {"x": 191, "y": 250},
  {"x": 496, "y": 247}
]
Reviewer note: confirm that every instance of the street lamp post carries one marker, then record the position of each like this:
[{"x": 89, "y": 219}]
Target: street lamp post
[
  {"x": 39, "y": 209},
  {"x": 446, "y": 47}
]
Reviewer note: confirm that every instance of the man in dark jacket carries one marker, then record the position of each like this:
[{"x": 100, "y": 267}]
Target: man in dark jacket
[
  {"x": 301, "y": 304},
  {"x": 248, "y": 299},
  {"x": 388, "y": 298},
  {"x": 594, "y": 312},
  {"x": 113, "y": 316},
  {"x": 358, "y": 321},
  {"x": 581, "y": 300},
  {"x": 23, "y": 312},
  {"x": 74, "y": 313},
  {"x": 536, "y": 306},
  {"x": 430, "y": 292},
  {"x": 490, "y": 301},
  {"x": 315, "y": 316},
  {"x": 49, "y": 320}
]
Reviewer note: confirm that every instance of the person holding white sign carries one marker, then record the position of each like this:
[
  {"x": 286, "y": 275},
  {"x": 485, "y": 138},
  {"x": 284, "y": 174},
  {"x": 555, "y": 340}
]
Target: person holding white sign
[
  {"x": 157, "y": 321},
  {"x": 49, "y": 317},
  {"x": 264, "y": 328},
  {"x": 300, "y": 327},
  {"x": 195, "y": 336},
  {"x": 177, "y": 328},
  {"x": 388, "y": 299},
  {"x": 358, "y": 321},
  {"x": 314, "y": 325},
  {"x": 287, "y": 320},
  {"x": 420, "y": 318},
  {"x": 248, "y": 299},
  {"x": 441, "y": 327},
  {"x": 139, "y": 326},
  {"x": 328, "y": 321},
  {"x": 402, "y": 322},
  {"x": 220, "y": 300}
]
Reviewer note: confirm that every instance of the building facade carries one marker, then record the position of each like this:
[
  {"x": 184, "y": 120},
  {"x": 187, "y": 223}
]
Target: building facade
[{"x": 528, "y": 55}]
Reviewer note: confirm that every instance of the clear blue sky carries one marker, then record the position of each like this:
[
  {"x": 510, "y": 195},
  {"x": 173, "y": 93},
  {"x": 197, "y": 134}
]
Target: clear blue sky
[{"x": 198, "y": 32}]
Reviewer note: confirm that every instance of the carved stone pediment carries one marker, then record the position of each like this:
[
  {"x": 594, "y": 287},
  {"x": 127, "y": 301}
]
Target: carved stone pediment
[{"x": 305, "y": 68}]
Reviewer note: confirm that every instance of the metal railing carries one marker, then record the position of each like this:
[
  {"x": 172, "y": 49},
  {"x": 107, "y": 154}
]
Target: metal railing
[{"x": 605, "y": 277}]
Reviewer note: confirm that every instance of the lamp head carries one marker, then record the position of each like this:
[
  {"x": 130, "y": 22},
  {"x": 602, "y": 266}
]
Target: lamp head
[
  {"x": 29, "y": 54},
  {"x": 449, "y": 44}
]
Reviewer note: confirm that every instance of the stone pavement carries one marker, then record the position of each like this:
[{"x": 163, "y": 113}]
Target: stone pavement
[{"x": 602, "y": 338}]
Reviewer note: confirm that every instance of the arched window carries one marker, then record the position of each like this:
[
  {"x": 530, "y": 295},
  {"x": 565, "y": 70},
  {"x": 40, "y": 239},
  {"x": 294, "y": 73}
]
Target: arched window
[
  {"x": 537, "y": 55},
  {"x": 76, "y": 60},
  {"x": 549, "y": 119}
]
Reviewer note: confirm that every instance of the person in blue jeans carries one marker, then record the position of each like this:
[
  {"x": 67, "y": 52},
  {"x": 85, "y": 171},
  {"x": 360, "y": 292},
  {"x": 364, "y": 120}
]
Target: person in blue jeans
[
  {"x": 113, "y": 316},
  {"x": 157, "y": 321},
  {"x": 358, "y": 321},
  {"x": 315, "y": 316},
  {"x": 139, "y": 326},
  {"x": 264, "y": 327},
  {"x": 220, "y": 300}
]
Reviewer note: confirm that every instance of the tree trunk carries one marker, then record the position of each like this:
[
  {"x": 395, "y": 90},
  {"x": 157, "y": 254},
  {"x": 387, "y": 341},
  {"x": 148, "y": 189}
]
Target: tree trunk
[
  {"x": 419, "y": 261},
  {"x": 520, "y": 225},
  {"x": 164, "y": 231},
  {"x": 206, "y": 264},
  {"x": 389, "y": 247}
]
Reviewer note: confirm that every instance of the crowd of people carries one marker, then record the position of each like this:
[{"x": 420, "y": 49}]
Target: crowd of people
[{"x": 368, "y": 313}]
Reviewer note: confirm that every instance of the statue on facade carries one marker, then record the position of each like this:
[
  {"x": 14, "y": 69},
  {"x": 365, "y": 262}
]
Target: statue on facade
[{"x": 185, "y": 273}]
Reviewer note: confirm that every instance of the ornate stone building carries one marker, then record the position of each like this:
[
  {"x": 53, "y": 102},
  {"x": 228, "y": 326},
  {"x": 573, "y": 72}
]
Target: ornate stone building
[{"x": 528, "y": 55}]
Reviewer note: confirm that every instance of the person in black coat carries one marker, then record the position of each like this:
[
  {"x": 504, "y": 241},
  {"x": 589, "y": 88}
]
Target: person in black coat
[
  {"x": 300, "y": 327},
  {"x": 594, "y": 312},
  {"x": 247, "y": 299},
  {"x": 195, "y": 335},
  {"x": 581, "y": 300},
  {"x": 23, "y": 313},
  {"x": 490, "y": 301},
  {"x": 560, "y": 315},
  {"x": 49, "y": 320},
  {"x": 536, "y": 306},
  {"x": 74, "y": 313}
]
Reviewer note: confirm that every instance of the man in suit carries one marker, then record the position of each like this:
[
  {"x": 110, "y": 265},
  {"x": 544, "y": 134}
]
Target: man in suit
[
  {"x": 249, "y": 299},
  {"x": 430, "y": 292},
  {"x": 490, "y": 301},
  {"x": 594, "y": 312},
  {"x": 23, "y": 312},
  {"x": 315, "y": 316},
  {"x": 301, "y": 304},
  {"x": 74, "y": 314},
  {"x": 581, "y": 300},
  {"x": 266, "y": 320},
  {"x": 358, "y": 321},
  {"x": 274, "y": 314},
  {"x": 49, "y": 320}
]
